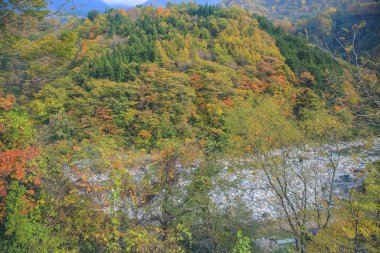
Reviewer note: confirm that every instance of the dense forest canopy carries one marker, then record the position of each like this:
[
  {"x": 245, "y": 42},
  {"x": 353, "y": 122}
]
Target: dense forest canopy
[{"x": 117, "y": 130}]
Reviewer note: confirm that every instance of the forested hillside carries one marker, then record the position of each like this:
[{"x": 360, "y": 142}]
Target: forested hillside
[
  {"x": 291, "y": 9},
  {"x": 117, "y": 131},
  {"x": 332, "y": 25}
]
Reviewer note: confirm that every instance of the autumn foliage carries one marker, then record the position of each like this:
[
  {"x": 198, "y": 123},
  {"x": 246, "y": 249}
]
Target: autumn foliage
[
  {"x": 15, "y": 164},
  {"x": 118, "y": 130}
]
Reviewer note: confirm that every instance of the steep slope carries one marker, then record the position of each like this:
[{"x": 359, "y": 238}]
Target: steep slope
[
  {"x": 329, "y": 24},
  {"x": 328, "y": 28},
  {"x": 171, "y": 73},
  {"x": 287, "y": 9}
]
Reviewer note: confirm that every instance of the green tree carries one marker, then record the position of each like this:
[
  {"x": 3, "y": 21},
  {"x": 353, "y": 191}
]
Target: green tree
[
  {"x": 243, "y": 244},
  {"x": 92, "y": 15}
]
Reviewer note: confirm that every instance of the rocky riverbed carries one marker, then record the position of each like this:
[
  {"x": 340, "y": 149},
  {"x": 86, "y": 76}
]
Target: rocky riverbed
[
  {"x": 250, "y": 186},
  {"x": 246, "y": 185}
]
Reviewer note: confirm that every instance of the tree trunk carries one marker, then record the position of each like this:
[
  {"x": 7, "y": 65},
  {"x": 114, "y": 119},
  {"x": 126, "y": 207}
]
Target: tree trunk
[{"x": 357, "y": 233}]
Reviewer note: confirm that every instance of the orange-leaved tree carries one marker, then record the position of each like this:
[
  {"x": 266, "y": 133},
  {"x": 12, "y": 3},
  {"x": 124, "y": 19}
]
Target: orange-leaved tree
[{"x": 16, "y": 152}]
